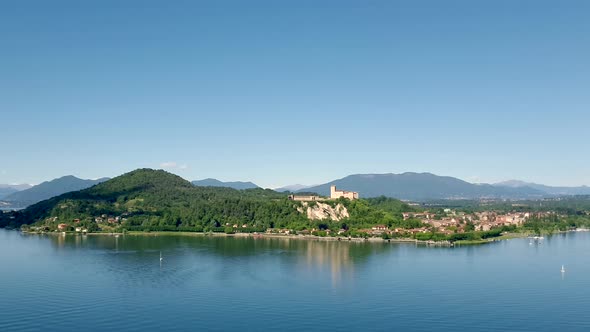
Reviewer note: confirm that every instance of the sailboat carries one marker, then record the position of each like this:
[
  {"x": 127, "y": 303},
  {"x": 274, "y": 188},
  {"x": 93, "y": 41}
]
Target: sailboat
[
  {"x": 562, "y": 269},
  {"x": 161, "y": 259}
]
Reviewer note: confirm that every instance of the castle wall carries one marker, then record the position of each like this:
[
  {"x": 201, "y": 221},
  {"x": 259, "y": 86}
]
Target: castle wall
[
  {"x": 335, "y": 193},
  {"x": 305, "y": 198}
]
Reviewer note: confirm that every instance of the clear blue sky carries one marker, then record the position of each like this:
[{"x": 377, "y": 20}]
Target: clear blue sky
[{"x": 282, "y": 92}]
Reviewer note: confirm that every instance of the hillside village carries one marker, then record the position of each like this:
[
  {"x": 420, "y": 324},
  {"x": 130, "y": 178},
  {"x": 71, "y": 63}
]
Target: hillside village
[{"x": 459, "y": 222}]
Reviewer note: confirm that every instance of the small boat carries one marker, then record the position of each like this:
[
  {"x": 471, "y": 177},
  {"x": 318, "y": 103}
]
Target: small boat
[{"x": 562, "y": 269}]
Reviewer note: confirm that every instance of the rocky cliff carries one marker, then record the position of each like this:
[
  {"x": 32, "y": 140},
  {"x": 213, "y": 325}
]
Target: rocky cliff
[{"x": 321, "y": 211}]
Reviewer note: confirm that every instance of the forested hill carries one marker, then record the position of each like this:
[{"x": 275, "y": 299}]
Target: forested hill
[
  {"x": 160, "y": 198},
  {"x": 148, "y": 199}
]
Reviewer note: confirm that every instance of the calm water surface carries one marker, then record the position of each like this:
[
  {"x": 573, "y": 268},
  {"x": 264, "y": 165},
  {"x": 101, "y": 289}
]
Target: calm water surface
[{"x": 102, "y": 283}]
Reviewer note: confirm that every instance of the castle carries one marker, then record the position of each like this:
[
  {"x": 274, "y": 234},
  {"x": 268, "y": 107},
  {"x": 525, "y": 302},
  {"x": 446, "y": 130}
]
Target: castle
[{"x": 335, "y": 193}]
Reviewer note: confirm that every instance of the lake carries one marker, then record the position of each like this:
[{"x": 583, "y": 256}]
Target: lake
[{"x": 103, "y": 283}]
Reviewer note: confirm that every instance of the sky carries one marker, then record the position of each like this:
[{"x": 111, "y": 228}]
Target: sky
[{"x": 284, "y": 92}]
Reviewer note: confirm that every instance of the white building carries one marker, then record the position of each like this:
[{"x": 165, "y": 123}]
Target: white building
[{"x": 335, "y": 193}]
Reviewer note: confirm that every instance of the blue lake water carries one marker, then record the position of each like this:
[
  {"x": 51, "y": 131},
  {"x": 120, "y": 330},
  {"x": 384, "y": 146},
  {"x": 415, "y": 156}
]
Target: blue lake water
[{"x": 103, "y": 283}]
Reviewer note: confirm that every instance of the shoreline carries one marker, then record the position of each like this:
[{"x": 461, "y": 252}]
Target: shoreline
[{"x": 507, "y": 236}]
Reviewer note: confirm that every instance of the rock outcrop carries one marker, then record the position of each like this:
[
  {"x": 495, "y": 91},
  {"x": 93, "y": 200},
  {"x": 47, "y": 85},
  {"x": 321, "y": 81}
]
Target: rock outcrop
[{"x": 321, "y": 211}]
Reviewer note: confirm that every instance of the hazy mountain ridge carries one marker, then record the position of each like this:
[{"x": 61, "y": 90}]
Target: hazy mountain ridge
[
  {"x": 292, "y": 188},
  {"x": 230, "y": 184},
  {"x": 559, "y": 191},
  {"x": 17, "y": 187},
  {"x": 7, "y": 189},
  {"x": 50, "y": 189},
  {"x": 422, "y": 186}
]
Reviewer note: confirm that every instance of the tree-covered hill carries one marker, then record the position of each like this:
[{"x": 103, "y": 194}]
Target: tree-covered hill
[{"x": 154, "y": 200}]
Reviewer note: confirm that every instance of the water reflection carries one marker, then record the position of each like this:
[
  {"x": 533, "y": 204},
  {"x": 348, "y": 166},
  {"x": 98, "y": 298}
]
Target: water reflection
[
  {"x": 226, "y": 256},
  {"x": 333, "y": 254}
]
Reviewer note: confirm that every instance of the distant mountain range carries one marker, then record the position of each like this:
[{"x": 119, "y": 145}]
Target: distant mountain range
[
  {"x": 7, "y": 189},
  {"x": 405, "y": 186},
  {"x": 48, "y": 190},
  {"x": 425, "y": 186},
  {"x": 216, "y": 183},
  {"x": 293, "y": 188},
  {"x": 556, "y": 191}
]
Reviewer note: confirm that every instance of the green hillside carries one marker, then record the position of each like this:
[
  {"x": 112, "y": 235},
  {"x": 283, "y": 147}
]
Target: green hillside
[{"x": 155, "y": 200}]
